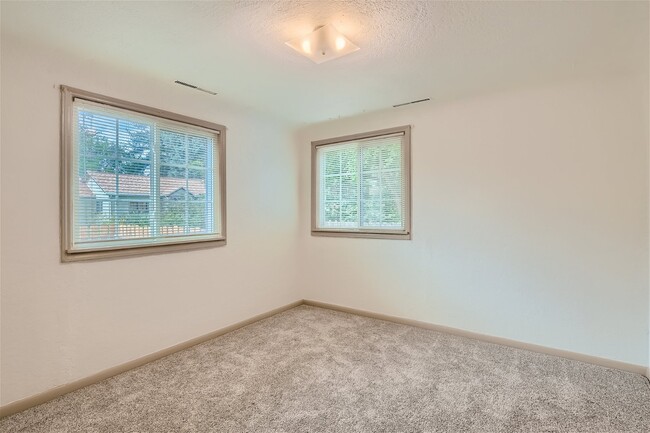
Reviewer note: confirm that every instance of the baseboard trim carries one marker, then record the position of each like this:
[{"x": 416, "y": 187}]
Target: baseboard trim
[
  {"x": 45, "y": 396},
  {"x": 590, "y": 359},
  {"x": 50, "y": 394}
]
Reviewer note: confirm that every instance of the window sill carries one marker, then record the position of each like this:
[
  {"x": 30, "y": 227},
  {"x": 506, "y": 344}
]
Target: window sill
[
  {"x": 139, "y": 250},
  {"x": 361, "y": 234}
]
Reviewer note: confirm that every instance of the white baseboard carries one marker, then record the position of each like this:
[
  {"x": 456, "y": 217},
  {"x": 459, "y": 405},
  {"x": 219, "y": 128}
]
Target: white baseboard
[
  {"x": 603, "y": 362},
  {"x": 50, "y": 394}
]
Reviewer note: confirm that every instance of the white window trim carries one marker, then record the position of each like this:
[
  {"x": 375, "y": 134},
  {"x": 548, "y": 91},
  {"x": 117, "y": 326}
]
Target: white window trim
[
  {"x": 68, "y": 94},
  {"x": 364, "y": 233}
]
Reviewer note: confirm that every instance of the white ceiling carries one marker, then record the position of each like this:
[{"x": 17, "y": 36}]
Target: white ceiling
[{"x": 409, "y": 49}]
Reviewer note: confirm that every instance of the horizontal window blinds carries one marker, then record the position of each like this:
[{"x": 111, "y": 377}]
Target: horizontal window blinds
[
  {"x": 361, "y": 184},
  {"x": 140, "y": 179}
]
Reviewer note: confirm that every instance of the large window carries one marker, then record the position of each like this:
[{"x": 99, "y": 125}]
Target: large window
[
  {"x": 361, "y": 185},
  {"x": 136, "y": 179}
]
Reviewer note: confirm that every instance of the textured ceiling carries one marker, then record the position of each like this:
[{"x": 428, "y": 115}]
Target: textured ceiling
[{"x": 409, "y": 49}]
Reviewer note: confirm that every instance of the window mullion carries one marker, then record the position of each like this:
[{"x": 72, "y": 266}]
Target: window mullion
[
  {"x": 381, "y": 189},
  {"x": 155, "y": 182},
  {"x": 340, "y": 188},
  {"x": 359, "y": 180},
  {"x": 116, "y": 206},
  {"x": 321, "y": 189},
  {"x": 210, "y": 221},
  {"x": 186, "y": 229}
]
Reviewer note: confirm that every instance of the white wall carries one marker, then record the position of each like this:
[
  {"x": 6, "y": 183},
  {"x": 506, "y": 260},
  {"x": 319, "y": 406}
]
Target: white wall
[
  {"x": 530, "y": 219},
  {"x": 61, "y": 322}
]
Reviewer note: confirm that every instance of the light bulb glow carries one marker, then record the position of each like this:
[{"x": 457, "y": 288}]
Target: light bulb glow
[{"x": 323, "y": 44}]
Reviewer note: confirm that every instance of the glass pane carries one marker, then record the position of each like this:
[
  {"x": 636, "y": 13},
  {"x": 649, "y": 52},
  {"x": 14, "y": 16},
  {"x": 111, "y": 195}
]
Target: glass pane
[
  {"x": 196, "y": 173},
  {"x": 332, "y": 213},
  {"x": 391, "y": 156},
  {"x": 136, "y": 212},
  {"x": 114, "y": 186},
  {"x": 370, "y": 187},
  {"x": 173, "y": 148},
  {"x": 131, "y": 180},
  {"x": 371, "y": 159},
  {"x": 371, "y": 213},
  {"x": 186, "y": 164},
  {"x": 391, "y": 213},
  {"x": 349, "y": 187},
  {"x": 196, "y": 183},
  {"x": 331, "y": 163},
  {"x": 391, "y": 185},
  {"x": 332, "y": 187},
  {"x": 197, "y": 221},
  {"x": 173, "y": 185},
  {"x": 96, "y": 143},
  {"x": 134, "y": 140},
  {"x": 198, "y": 151},
  {"x": 349, "y": 214},
  {"x": 113, "y": 206},
  {"x": 93, "y": 145},
  {"x": 134, "y": 168},
  {"x": 112, "y": 220},
  {"x": 349, "y": 162},
  {"x": 172, "y": 216}
]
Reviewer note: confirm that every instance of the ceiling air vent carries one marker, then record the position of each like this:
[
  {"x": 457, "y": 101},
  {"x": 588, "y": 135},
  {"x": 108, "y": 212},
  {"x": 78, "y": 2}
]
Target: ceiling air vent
[
  {"x": 192, "y": 86},
  {"x": 412, "y": 102}
]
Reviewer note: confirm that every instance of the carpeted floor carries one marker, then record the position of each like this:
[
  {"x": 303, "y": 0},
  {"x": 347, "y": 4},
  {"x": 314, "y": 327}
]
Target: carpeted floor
[{"x": 314, "y": 370}]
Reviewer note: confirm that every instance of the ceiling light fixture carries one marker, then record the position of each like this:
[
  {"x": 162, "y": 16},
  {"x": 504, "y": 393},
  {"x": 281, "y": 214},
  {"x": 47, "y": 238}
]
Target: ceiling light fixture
[{"x": 323, "y": 44}]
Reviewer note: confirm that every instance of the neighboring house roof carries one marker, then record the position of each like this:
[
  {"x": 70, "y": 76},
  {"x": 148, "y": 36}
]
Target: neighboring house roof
[
  {"x": 169, "y": 185},
  {"x": 84, "y": 191},
  {"x": 131, "y": 184}
]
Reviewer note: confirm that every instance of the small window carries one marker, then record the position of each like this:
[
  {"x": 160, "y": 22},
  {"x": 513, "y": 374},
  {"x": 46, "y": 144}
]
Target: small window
[
  {"x": 137, "y": 179},
  {"x": 361, "y": 185},
  {"x": 139, "y": 207}
]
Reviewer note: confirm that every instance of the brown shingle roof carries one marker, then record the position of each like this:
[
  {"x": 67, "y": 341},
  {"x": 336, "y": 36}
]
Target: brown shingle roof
[
  {"x": 84, "y": 191},
  {"x": 132, "y": 184}
]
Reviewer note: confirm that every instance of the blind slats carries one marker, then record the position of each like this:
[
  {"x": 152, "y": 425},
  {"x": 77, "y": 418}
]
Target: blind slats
[
  {"x": 140, "y": 179},
  {"x": 361, "y": 184}
]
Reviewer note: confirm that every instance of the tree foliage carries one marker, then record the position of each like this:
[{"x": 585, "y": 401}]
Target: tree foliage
[
  {"x": 121, "y": 146},
  {"x": 113, "y": 145}
]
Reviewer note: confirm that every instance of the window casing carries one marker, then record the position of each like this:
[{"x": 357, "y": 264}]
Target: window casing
[
  {"x": 361, "y": 185},
  {"x": 137, "y": 180}
]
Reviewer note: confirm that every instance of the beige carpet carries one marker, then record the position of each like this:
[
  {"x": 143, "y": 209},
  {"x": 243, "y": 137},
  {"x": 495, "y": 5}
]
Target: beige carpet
[{"x": 315, "y": 370}]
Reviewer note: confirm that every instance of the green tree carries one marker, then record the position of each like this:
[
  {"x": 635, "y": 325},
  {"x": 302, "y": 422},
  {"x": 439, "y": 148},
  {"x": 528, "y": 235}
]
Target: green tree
[
  {"x": 182, "y": 155},
  {"x": 113, "y": 145}
]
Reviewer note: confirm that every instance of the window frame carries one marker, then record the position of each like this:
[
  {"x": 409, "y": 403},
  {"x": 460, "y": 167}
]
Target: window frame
[
  {"x": 68, "y": 95},
  {"x": 372, "y": 233}
]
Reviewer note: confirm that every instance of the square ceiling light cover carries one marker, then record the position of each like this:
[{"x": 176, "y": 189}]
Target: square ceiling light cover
[{"x": 323, "y": 44}]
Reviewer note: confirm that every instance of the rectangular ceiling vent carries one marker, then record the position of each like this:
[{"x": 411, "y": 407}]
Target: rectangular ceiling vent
[
  {"x": 412, "y": 102},
  {"x": 192, "y": 86}
]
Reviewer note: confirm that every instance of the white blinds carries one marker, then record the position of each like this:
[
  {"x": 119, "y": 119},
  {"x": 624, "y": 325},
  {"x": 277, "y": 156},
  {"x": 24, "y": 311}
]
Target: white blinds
[
  {"x": 140, "y": 179},
  {"x": 361, "y": 184}
]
